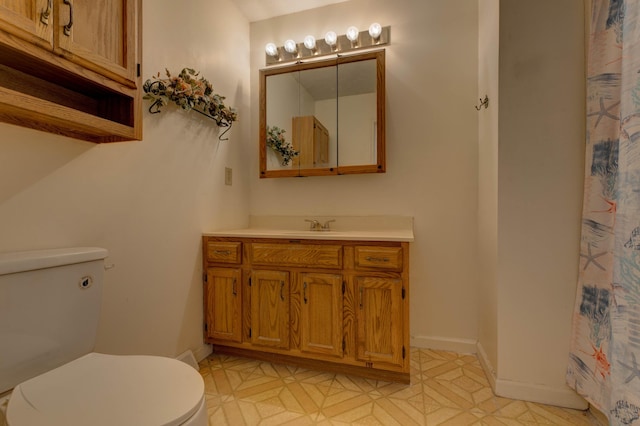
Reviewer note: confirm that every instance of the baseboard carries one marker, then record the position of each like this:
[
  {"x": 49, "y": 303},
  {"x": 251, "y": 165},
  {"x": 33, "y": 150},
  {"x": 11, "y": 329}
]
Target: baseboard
[
  {"x": 462, "y": 346},
  {"x": 488, "y": 368},
  {"x": 561, "y": 397},
  {"x": 202, "y": 352}
]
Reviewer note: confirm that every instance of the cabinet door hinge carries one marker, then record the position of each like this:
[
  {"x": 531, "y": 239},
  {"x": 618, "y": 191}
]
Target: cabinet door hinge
[
  {"x": 249, "y": 332},
  {"x": 344, "y": 286},
  {"x": 249, "y": 281},
  {"x": 404, "y": 354},
  {"x": 138, "y": 69},
  {"x": 403, "y": 293},
  {"x": 204, "y": 277},
  {"x": 344, "y": 344},
  {"x": 206, "y": 327}
]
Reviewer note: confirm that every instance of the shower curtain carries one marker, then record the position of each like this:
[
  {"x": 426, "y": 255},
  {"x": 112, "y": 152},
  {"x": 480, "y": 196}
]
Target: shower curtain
[{"x": 604, "y": 362}]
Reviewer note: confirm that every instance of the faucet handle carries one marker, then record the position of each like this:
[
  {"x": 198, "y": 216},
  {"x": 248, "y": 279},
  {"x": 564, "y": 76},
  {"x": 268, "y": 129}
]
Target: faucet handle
[{"x": 327, "y": 226}]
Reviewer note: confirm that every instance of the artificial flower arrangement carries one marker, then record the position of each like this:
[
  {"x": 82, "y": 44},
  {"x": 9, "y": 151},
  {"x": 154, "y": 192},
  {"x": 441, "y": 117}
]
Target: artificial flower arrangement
[
  {"x": 277, "y": 142},
  {"x": 189, "y": 92}
]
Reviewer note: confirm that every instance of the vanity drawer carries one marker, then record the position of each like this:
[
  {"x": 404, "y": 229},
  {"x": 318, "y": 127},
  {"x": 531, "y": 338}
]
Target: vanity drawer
[
  {"x": 225, "y": 252},
  {"x": 389, "y": 258},
  {"x": 312, "y": 255}
]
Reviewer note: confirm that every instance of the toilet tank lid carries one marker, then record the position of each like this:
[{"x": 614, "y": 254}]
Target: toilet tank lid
[{"x": 23, "y": 261}]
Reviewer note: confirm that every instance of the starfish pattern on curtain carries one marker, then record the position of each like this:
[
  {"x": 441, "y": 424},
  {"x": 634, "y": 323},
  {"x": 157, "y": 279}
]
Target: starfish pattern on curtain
[{"x": 605, "y": 347}]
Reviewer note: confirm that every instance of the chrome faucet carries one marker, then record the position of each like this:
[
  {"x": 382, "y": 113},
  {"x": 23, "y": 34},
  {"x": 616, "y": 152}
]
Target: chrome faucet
[
  {"x": 327, "y": 225},
  {"x": 314, "y": 225}
]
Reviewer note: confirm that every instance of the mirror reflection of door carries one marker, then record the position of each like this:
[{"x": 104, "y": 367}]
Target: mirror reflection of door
[
  {"x": 315, "y": 129},
  {"x": 357, "y": 113},
  {"x": 303, "y": 104}
]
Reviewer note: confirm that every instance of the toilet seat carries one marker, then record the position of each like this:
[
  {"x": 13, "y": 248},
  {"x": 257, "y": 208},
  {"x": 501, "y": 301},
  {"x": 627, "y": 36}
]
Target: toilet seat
[{"x": 107, "y": 390}]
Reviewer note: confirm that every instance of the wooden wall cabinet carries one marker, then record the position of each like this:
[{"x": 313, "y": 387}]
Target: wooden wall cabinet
[
  {"x": 333, "y": 305},
  {"x": 311, "y": 139},
  {"x": 72, "y": 67}
]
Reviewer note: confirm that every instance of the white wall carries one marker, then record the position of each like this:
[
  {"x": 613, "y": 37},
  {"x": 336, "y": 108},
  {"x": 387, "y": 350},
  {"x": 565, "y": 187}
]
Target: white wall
[
  {"x": 146, "y": 202},
  {"x": 488, "y": 77},
  {"x": 432, "y": 159},
  {"x": 540, "y": 169}
]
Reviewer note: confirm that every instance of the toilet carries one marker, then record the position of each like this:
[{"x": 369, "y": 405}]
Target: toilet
[{"x": 49, "y": 375}]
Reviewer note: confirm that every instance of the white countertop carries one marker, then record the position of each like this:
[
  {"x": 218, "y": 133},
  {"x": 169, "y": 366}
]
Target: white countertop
[{"x": 359, "y": 228}]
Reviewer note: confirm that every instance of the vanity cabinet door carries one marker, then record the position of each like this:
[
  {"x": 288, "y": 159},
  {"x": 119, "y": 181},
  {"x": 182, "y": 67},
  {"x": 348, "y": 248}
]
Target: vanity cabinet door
[
  {"x": 379, "y": 314},
  {"x": 321, "y": 313},
  {"x": 223, "y": 304},
  {"x": 30, "y": 20},
  {"x": 270, "y": 308}
]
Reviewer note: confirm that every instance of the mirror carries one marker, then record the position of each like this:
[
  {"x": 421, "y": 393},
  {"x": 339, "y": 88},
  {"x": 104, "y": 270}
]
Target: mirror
[{"x": 324, "y": 117}]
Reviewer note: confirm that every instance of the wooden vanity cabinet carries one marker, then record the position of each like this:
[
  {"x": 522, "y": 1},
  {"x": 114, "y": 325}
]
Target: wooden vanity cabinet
[
  {"x": 340, "y": 306},
  {"x": 72, "y": 67},
  {"x": 269, "y": 308}
]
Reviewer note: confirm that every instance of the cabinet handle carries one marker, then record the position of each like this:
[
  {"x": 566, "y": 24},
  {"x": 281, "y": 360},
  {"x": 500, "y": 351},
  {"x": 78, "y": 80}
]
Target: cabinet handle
[
  {"x": 44, "y": 16},
  {"x": 282, "y": 290},
  {"x": 234, "y": 289},
  {"x": 361, "y": 296},
  {"x": 226, "y": 252},
  {"x": 377, "y": 259},
  {"x": 304, "y": 292},
  {"x": 67, "y": 28}
]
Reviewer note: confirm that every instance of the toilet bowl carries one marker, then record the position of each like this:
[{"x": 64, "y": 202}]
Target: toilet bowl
[
  {"x": 108, "y": 390},
  {"x": 49, "y": 311}
]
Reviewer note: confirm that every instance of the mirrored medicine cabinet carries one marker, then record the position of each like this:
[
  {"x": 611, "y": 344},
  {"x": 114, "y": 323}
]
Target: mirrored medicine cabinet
[{"x": 324, "y": 117}]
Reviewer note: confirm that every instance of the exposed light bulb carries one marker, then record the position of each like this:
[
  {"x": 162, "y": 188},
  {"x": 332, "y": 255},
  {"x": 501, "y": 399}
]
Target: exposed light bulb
[
  {"x": 310, "y": 42},
  {"x": 271, "y": 49},
  {"x": 331, "y": 38},
  {"x": 375, "y": 30},
  {"x": 352, "y": 34},
  {"x": 290, "y": 46}
]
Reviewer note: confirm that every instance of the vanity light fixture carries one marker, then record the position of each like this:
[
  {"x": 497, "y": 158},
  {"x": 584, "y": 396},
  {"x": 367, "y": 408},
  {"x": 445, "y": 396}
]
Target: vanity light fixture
[
  {"x": 352, "y": 35},
  {"x": 331, "y": 38},
  {"x": 310, "y": 43},
  {"x": 375, "y": 30},
  {"x": 290, "y": 46},
  {"x": 271, "y": 49},
  {"x": 353, "y": 39}
]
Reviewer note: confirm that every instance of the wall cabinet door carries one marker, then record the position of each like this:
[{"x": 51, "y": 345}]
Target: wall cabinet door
[
  {"x": 270, "y": 308},
  {"x": 99, "y": 35},
  {"x": 223, "y": 300},
  {"x": 379, "y": 320},
  {"x": 321, "y": 313},
  {"x": 30, "y": 20}
]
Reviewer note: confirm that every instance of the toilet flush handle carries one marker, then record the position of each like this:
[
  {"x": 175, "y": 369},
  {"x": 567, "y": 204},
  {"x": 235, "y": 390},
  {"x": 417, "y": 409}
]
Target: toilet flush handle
[{"x": 109, "y": 266}]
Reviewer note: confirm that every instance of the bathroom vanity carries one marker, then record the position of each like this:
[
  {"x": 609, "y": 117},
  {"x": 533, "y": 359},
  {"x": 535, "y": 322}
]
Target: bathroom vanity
[{"x": 327, "y": 300}]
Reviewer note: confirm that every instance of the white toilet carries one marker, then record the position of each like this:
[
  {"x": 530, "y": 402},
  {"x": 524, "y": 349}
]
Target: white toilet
[{"x": 49, "y": 310}]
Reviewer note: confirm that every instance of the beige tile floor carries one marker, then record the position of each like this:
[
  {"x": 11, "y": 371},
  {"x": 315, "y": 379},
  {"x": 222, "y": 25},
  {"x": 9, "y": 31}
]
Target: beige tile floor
[{"x": 446, "y": 389}]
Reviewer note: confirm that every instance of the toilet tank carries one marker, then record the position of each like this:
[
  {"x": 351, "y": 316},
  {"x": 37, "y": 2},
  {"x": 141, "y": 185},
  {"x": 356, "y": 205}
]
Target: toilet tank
[{"x": 49, "y": 309}]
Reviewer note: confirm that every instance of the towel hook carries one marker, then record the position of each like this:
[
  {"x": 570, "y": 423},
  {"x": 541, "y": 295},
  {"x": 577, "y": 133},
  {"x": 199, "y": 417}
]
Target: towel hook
[{"x": 483, "y": 102}]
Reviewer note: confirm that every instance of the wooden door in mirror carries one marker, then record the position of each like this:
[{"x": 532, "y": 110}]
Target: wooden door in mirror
[{"x": 323, "y": 118}]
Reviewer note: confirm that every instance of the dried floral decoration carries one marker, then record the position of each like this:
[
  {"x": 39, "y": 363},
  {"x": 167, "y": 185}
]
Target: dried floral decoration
[
  {"x": 189, "y": 92},
  {"x": 276, "y": 141}
]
